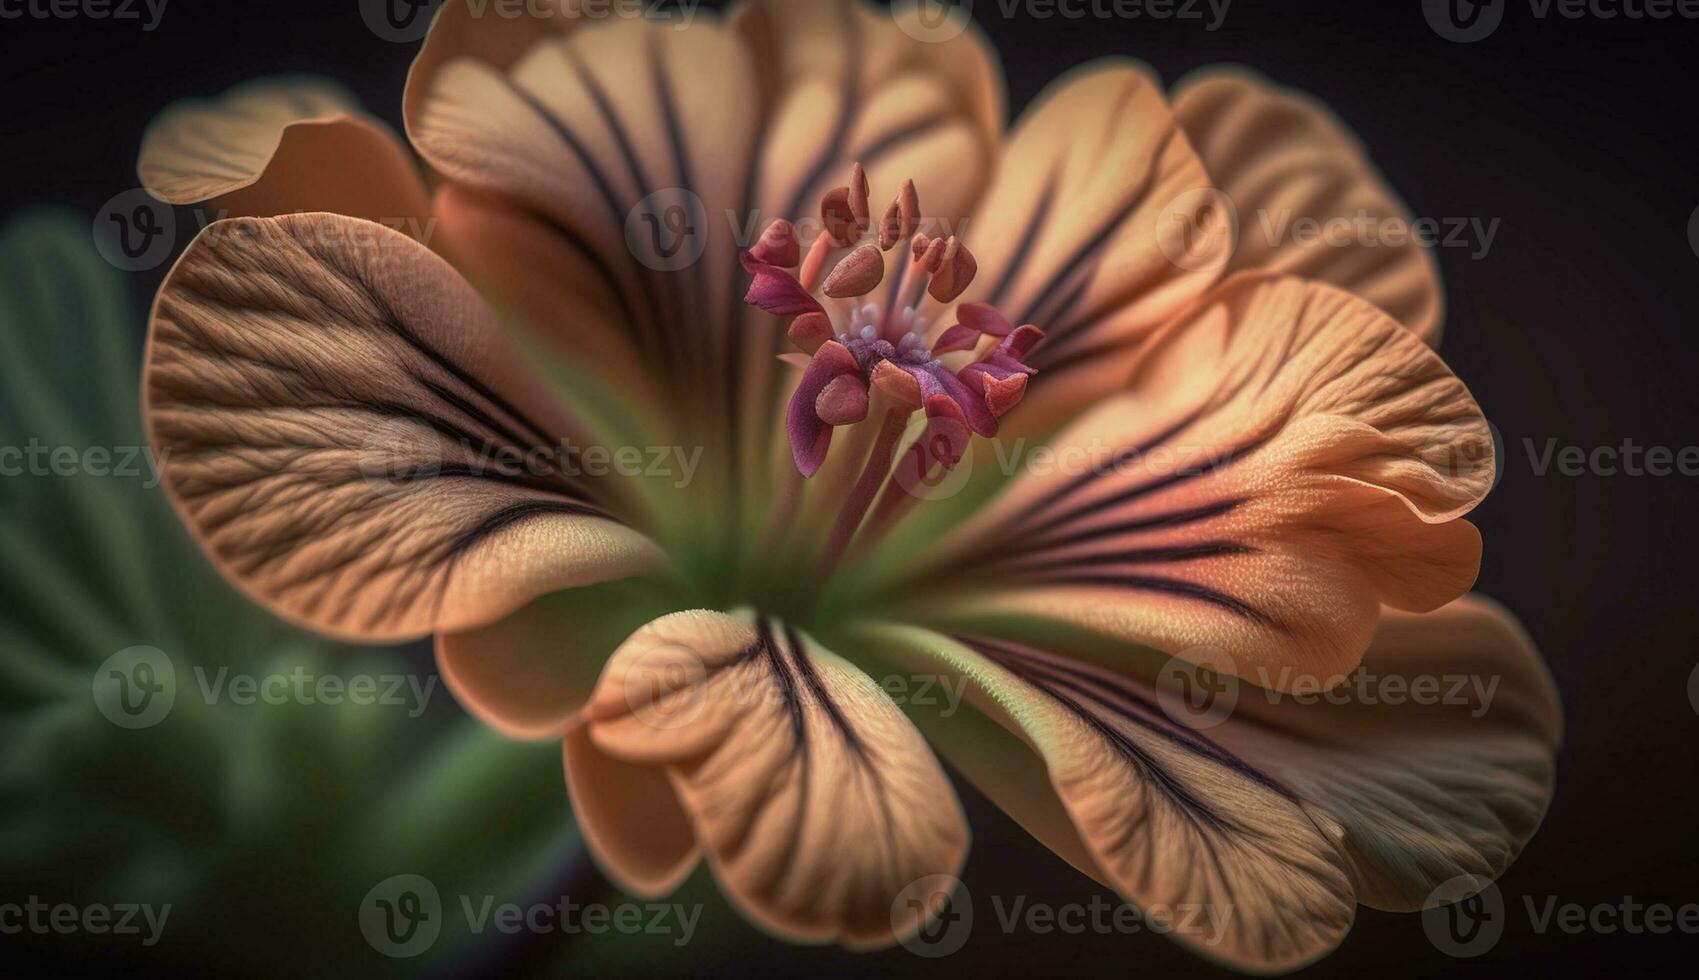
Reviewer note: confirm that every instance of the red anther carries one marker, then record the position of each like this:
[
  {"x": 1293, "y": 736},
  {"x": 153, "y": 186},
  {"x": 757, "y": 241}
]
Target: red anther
[
  {"x": 858, "y": 198},
  {"x": 955, "y": 272},
  {"x": 1022, "y": 342},
  {"x": 1002, "y": 395},
  {"x": 839, "y": 218},
  {"x": 778, "y": 246},
  {"x": 890, "y": 228},
  {"x": 858, "y": 274},
  {"x": 896, "y": 386},
  {"x": 908, "y": 207},
  {"x": 985, "y": 319},
  {"x": 809, "y": 331},
  {"x": 957, "y": 337},
  {"x": 843, "y": 401}
]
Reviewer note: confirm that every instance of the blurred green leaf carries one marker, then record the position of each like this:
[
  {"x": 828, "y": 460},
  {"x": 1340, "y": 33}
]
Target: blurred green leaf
[{"x": 264, "y": 825}]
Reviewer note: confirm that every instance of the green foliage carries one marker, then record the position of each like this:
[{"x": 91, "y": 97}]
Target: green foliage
[{"x": 264, "y": 825}]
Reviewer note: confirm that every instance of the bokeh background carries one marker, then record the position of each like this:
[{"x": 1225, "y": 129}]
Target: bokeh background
[{"x": 264, "y": 828}]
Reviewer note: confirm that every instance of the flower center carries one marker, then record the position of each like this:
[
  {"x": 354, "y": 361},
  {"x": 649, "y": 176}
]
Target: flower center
[{"x": 870, "y": 366}]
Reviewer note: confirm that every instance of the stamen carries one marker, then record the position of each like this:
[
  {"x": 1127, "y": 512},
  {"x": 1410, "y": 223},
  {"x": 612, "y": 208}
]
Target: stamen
[
  {"x": 870, "y": 369},
  {"x": 843, "y": 401},
  {"x": 983, "y": 319},
  {"x": 866, "y": 488},
  {"x": 954, "y": 271},
  {"x": 958, "y": 337},
  {"x": 901, "y": 218},
  {"x": 778, "y": 246},
  {"x": 815, "y": 265},
  {"x": 858, "y": 274},
  {"x": 809, "y": 331},
  {"x": 839, "y": 218},
  {"x": 858, "y": 203},
  {"x": 908, "y": 206},
  {"x": 890, "y": 227}
]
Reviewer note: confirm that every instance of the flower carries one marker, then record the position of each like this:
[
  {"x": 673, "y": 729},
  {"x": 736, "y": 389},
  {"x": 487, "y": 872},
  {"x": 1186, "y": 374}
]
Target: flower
[{"x": 1276, "y": 464}]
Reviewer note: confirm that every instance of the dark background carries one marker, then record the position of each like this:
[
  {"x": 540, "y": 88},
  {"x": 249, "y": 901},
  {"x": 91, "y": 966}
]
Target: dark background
[{"x": 1576, "y": 326}]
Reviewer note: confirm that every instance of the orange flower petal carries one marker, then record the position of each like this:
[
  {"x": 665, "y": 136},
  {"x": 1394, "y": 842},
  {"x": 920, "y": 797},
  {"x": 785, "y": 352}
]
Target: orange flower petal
[
  {"x": 529, "y": 673},
  {"x": 1221, "y": 859},
  {"x": 1283, "y": 157},
  {"x": 332, "y": 405},
  {"x": 466, "y": 29},
  {"x": 1256, "y": 831},
  {"x": 631, "y": 143},
  {"x": 279, "y": 145},
  {"x": 814, "y": 799},
  {"x": 1285, "y": 459},
  {"x": 630, "y": 817},
  {"x": 549, "y": 285},
  {"x": 1068, "y": 236}
]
